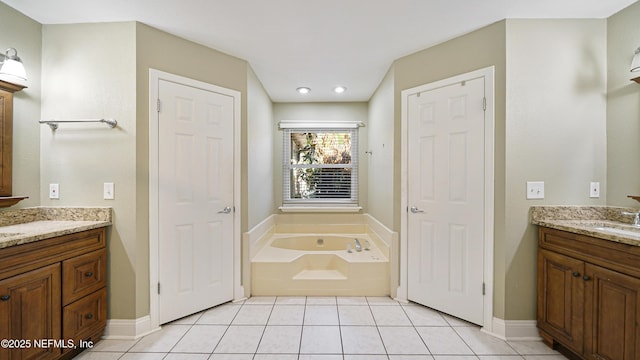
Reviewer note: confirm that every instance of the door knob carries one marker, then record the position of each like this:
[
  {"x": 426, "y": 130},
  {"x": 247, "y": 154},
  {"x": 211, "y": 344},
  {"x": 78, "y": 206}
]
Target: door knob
[
  {"x": 415, "y": 210},
  {"x": 226, "y": 210}
]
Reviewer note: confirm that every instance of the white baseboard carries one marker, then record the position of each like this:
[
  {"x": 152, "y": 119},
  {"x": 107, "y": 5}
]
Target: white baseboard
[
  {"x": 515, "y": 330},
  {"x": 125, "y": 329}
]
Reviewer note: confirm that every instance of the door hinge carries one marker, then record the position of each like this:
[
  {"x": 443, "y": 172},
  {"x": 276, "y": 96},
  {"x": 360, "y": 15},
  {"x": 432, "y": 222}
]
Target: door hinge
[
  {"x": 483, "y": 289},
  {"x": 158, "y": 105},
  {"x": 158, "y": 288},
  {"x": 484, "y": 104}
]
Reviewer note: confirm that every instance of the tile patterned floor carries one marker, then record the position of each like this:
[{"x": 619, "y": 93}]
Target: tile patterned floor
[{"x": 319, "y": 328}]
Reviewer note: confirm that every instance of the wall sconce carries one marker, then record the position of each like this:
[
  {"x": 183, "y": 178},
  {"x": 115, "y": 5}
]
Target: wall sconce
[
  {"x": 12, "y": 70},
  {"x": 635, "y": 67}
]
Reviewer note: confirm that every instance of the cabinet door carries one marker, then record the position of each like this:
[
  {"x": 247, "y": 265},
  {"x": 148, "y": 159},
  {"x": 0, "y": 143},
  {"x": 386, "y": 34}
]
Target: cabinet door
[
  {"x": 612, "y": 315},
  {"x": 30, "y": 310},
  {"x": 561, "y": 298}
]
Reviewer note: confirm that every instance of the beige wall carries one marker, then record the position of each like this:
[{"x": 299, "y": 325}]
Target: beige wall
[
  {"x": 161, "y": 51},
  {"x": 260, "y": 143},
  {"x": 89, "y": 72},
  {"x": 623, "y": 109},
  {"x": 476, "y": 50},
  {"x": 555, "y": 132},
  {"x": 25, "y": 35},
  {"x": 545, "y": 121},
  {"x": 381, "y": 132},
  {"x": 347, "y": 111},
  {"x": 104, "y": 68}
]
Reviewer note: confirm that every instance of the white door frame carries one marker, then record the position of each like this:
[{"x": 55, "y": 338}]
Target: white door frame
[
  {"x": 154, "y": 77},
  {"x": 489, "y": 129}
]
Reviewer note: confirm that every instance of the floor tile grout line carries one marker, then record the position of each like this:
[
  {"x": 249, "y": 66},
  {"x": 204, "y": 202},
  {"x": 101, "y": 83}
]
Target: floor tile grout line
[
  {"x": 304, "y": 312},
  {"x": 375, "y": 323},
  {"x": 340, "y": 329},
  {"x": 416, "y": 330},
  {"x": 227, "y": 329},
  {"x": 181, "y": 337},
  {"x": 264, "y": 329}
]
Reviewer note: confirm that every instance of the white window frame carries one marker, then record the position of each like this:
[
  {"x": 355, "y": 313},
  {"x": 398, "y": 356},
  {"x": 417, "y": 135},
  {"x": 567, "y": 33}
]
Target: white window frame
[{"x": 319, "y": 205}]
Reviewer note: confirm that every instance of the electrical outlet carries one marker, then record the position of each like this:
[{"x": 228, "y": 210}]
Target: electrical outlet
[
  {"x": 594, "y": 189},
  {"x": 54, "y": 191},
  {"x": 109, "y": 191},
  {"x": 535, "y": 189}
]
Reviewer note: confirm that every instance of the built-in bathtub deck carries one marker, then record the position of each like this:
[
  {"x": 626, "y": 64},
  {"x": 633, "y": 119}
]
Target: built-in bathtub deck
[{"x": 299, "y": 264}]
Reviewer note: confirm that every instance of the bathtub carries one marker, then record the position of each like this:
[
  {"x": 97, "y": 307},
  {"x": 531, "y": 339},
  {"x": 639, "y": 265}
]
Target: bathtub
[{"x": 320, "y": 265}]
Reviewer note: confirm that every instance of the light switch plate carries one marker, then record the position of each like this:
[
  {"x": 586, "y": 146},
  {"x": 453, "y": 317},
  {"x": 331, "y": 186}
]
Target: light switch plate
[
  {"x": 109, "y": 191},
  {"x": 54, "y": 191},
  {"x": 594, "y": 189},
  {"x": 535, "y": 189}
]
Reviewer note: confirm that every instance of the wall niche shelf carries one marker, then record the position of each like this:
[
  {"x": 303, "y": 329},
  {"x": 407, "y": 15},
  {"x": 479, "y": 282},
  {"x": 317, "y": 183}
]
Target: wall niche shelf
[{"x": 6, "y": 139}]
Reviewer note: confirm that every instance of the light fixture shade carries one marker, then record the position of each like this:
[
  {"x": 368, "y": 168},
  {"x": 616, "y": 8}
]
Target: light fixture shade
[{"x": 12, "y": 69}]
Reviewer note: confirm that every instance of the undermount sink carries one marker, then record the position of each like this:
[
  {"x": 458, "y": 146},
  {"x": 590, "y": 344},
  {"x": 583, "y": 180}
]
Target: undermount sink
[{"x": 617, "y": 231}]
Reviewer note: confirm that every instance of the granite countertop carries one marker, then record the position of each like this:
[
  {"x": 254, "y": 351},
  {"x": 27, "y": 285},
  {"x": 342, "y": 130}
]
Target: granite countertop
[
  {"x": 27, "y": 225},
  {"x": 589, "y": 220}
]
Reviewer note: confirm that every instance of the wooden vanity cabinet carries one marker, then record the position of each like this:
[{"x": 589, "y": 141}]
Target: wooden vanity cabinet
[
  {"x": 589, "y": 295},
  {"x": 53, "y": 289}
]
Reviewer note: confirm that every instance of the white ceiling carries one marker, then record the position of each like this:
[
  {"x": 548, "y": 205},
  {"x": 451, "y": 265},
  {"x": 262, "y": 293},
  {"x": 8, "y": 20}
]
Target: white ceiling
[{"x": 319, "y": 44}]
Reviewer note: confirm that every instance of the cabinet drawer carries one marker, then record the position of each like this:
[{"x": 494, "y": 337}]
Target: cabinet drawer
[
  {"x": 85, "y": 316},
  {"x": 83, "y": 275}
]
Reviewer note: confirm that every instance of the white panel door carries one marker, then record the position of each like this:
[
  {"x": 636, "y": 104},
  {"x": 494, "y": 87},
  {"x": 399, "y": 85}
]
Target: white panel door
[
  {"x": 446, "y": 199},
  {"x": 195, "y": 199}
]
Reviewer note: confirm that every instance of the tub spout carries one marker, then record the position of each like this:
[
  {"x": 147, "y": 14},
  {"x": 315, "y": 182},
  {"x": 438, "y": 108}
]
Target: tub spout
[{"x": 358, "y": 246}]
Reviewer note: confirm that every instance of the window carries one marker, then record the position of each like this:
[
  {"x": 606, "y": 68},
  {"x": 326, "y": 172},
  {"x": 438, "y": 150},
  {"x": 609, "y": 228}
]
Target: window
[{"x": 320, "y": 164}]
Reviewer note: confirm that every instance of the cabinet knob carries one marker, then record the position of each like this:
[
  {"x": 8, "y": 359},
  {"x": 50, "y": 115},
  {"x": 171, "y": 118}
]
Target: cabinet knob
[
  {"x": 586, "y": 278},
  {"x": 5, "y": 297},
  {"x": 88, "y": 274},
  {"x": 576, "y": 274},
  {"x": 89, "y": 316}
]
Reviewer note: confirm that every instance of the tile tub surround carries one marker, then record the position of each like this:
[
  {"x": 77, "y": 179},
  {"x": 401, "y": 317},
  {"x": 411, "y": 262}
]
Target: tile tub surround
[
  {"x": 583, "y": 220},
  {"x": 282, "y": 328},
  {"x": 27, "y": 225}
]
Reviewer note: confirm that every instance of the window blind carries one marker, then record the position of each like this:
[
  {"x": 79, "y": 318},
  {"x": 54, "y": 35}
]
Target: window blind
[{"x": 320, "y": 166}]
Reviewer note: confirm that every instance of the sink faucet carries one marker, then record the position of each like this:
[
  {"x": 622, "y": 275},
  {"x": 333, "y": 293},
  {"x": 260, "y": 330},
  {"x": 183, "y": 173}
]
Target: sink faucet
[
  {"x": 358, "y": 246},
  {"x": 636, "y": 217}
]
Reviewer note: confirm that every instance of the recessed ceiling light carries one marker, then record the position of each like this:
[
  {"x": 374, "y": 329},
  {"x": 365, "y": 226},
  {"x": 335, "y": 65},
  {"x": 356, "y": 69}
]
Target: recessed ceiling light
[
  {"x": 303, "y": 90},
  {"x": 339, "y": 89}
]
